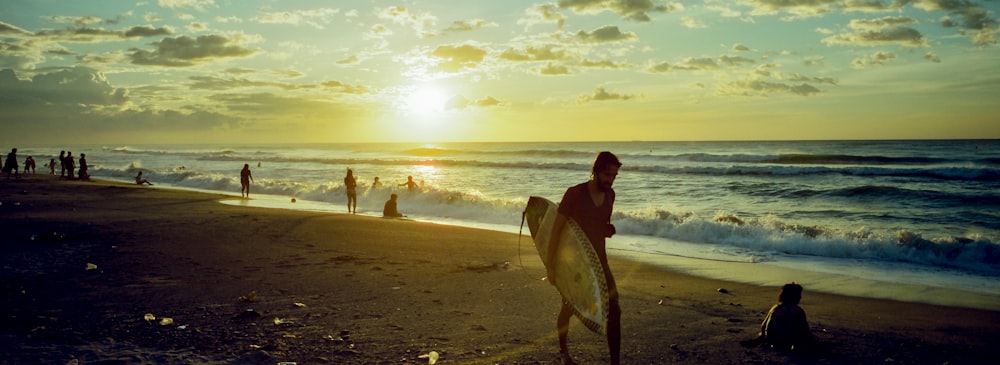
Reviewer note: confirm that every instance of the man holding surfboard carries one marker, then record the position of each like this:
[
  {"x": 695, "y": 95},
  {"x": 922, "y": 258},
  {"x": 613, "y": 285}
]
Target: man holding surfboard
[{"x": 590, "y": 204}]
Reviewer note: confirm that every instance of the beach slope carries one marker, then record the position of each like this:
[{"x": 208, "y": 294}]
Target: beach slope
[{"x": 116, "y": 273}]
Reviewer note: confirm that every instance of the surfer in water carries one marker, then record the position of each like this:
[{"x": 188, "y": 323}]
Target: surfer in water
[{"x": 589, "y": 204}]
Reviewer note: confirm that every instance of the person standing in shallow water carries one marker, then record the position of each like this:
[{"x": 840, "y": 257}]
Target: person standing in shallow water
[
  {"x": 245, "y": 179},
  {"x": 589, "y": 204},
  {"x": 351, "y": 188}
]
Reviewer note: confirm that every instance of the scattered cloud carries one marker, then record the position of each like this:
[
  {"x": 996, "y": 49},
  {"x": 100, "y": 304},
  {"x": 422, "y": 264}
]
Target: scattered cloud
[
  {"x": 601, "y": 94},
  {"x": 902, "y": 36},
  {"x": 875, "y": 59},
  {"x": 423, "y": 24},
  {"x": 635, "y": 10},
  {"x": 542, "y": 14},
  {"x": 607, "y": 33},
  {"x": 186, "y": 51},
  {"x": 316, "y": 18},
  {"x": 456, "y": 58},
  {"x": 469, "y": 25}
]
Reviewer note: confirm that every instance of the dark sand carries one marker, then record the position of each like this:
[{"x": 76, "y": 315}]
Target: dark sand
[{"x": 261, "y": 286}]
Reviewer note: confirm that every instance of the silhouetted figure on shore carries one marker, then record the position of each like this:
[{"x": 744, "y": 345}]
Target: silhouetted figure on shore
[
  {"x": 245, "y": 179},
  {"x": 785, "y": 327},
  {"x": 390, "y": 208},
  {"x": 70, "y": 165},
  {"x": 139, "y": 180},
  {"x": 351, "y": 189},
  {"x": 29, "y": 165},
  {"x": 11, "y": 164},
  {"x": 62, "y": 163},
  {"x": 84, "y": 173}
]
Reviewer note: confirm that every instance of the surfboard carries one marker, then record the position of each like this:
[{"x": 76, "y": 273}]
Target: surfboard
[{"x": 580, "y": 278}]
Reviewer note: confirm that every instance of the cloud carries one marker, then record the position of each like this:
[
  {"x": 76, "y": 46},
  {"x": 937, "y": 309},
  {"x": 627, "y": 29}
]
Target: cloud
[
  {"x": 199, "y": 5},
  {"x": 697, "y": 64},
  {"x": 316, "y": 18},
  {"x": 798, "y": 9},
  {"x": 20, "y": 55},
  {"x": 795, "y": 77},
  {"x": 461, "y": 102},
  {"x": 95, "y": 35},
  {"x": 9, "y": 30},
  {"x": 607, "y": 33},
  {"x": 875, "y": 59},
  {"x": 755, "y": 87},
  {"x": 735, "y": 61},
  {"x": 692, "y": 23},
  {"x": 535, "y": 53},
  {"x": 933, "y": 57},
  {"x": 185, "y": 51},
  {"x": 882, "y": 23},
  {"x": 72, "y": 86},
  {"x": 601, "y": 94},
  {"x": 542, "y": 14},
  {"x": 456, "y": 58},
  {"x": 423, "y": 24},
  {"x": 903, "y": 36},
  {"x": 635, "y": 10},
  {"x": 740, "y": 48},
  {"x": 77, "y": 20},
  {"x": 552, "y": 69},
  {"x": 469, "y": 25},
  {"x": 605, "y": 64}
]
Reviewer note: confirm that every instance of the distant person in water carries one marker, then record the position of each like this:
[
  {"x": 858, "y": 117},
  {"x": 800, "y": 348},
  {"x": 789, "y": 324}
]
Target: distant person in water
[
  {"x": 11, "y": 164},
  {"x": 83, "y": 174},
  {"x": 785, "y": 327},
  {"x": 351, "y": 187},
  {"x": 390, "y": 208},
  {"x": 410, "y": 184},
  {"x": 245, "y": 179},
  {"x": 139, "y": 180},
  {"x": 29, "y": 165},
  {"x": 376, "y": 183}
]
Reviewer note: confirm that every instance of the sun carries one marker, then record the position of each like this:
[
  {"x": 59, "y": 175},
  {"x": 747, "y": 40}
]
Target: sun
[{"x": 424, "y": 99}]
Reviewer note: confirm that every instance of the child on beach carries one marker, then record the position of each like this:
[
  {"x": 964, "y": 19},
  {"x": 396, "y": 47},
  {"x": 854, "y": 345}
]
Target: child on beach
[{"x": 785, "y": 327}]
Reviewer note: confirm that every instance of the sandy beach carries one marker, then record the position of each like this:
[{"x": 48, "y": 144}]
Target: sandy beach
[{"x": 85, "y": 263}]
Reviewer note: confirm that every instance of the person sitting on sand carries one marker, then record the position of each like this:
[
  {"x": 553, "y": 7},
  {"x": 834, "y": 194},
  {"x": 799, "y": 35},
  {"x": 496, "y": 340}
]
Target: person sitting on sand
[
  {"x": 139, "y": 180},
  {"x": 785, "y": 327},
  {"x": 390, "y": 208}
]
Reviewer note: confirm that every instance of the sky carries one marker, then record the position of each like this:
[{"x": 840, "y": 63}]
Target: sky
[{"x": 257, "y": 71}]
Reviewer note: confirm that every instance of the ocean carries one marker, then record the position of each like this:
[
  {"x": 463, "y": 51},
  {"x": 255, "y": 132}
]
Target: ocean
[{"x": 908, "y": 220}]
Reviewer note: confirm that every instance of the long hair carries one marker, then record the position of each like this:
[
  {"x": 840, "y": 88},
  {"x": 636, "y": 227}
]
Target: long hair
[
  {"x": 603, "y": 160},
  {"x": 791, "y": 293}
]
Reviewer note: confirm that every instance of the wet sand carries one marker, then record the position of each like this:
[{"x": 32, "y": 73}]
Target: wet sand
[{"x": 84, "y": 262}]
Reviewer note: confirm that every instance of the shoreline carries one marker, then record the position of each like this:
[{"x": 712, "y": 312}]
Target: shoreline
[
  {"x": 757, "y": 273},
  {"x": 377, "y": 290}
]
